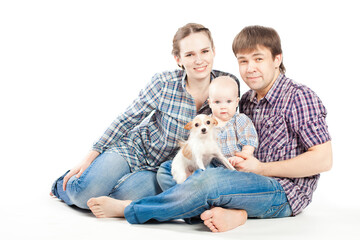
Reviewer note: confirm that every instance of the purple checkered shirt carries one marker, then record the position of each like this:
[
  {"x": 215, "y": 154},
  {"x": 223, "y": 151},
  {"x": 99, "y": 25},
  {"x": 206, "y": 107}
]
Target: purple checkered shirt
[{"x": 289, "y": 120}]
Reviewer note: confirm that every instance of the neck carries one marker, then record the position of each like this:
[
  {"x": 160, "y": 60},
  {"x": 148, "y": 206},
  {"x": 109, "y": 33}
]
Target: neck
[
  {"x": 198, "y": 84},
  {"x": 260, "y": 94}
]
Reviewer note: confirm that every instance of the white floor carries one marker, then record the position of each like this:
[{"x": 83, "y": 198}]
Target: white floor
[{"x": 49, "y": 218}]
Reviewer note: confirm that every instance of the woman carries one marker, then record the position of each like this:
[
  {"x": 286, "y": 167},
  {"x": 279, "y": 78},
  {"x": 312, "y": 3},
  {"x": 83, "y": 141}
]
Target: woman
[{"x": 123, "y": 162}]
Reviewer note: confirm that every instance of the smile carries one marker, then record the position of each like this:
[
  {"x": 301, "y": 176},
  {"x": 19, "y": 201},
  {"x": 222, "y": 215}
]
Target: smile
[{"x": 200, "y": 69}]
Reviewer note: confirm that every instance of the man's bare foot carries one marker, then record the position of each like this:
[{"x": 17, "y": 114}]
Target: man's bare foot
[
  {"x": 106, "y": 207},
  {"x": 220, "y": 219}
]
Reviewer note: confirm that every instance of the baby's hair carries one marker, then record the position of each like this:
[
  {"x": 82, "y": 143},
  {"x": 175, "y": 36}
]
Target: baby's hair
[{"x": 222, "y": 78}]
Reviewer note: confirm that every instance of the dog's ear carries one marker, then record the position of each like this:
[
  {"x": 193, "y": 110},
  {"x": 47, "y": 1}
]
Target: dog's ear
[
  {"x": 188, "y": 126},
  {"x": 215, "y": 122}
]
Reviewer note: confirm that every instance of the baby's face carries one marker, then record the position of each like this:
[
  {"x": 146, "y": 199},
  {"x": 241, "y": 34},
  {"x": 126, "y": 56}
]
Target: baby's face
[{"x": 223, "y": 103}]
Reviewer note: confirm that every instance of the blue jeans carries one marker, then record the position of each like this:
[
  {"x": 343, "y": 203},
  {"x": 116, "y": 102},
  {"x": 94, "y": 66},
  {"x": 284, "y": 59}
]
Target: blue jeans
[
  {"x": 261, "y": 197},
  {"x": 108, "y": 175}
]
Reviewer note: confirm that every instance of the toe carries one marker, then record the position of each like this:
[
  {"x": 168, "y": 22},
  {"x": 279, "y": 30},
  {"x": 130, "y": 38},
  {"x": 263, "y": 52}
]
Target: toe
[
  {"x": 91, "y": 202},
  {"x": 206, "y": 215}
]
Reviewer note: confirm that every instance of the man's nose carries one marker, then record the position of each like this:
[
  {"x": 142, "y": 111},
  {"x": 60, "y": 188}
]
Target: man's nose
[{"x": 251, "y": 67}]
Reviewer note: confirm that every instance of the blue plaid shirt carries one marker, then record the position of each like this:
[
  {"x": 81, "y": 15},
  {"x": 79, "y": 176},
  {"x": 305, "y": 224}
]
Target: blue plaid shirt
[
  {"x": 289, "y": 120},
  {"x": 238, "y": 132},
  {"x": 147, "y": 133}
]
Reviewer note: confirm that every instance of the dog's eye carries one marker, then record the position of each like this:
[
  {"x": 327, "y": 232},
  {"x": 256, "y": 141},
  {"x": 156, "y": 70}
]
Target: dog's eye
[
  {"x": 196, "y": 124},
  {"x": 208, "y": 122}
]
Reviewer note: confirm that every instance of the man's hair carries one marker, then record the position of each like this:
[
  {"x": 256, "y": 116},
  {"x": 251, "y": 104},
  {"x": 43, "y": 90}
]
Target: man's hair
[{"x": 251, "y": 37}]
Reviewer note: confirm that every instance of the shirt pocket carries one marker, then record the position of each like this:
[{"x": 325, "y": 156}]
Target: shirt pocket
[{"x": 274, "y": 132}]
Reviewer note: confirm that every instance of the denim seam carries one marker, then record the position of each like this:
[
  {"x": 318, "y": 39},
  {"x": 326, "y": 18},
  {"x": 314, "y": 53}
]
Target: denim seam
[
  {"x": 237, "y": 194},
  {"x": 122, "y": 180},
  {"x": 279, "y": 209}
]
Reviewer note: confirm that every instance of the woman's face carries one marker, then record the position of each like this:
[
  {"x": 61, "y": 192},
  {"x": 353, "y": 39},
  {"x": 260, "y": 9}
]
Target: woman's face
[{"x": 196, "y": 56}]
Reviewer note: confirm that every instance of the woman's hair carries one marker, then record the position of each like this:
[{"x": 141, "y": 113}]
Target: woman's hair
[
  {"x": 184, "y": 32},
  {"x": 253, "y": 36}
]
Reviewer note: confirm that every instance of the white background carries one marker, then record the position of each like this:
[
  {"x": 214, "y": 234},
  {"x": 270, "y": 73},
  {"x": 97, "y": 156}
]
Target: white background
[{"x": 68, "y": 68}]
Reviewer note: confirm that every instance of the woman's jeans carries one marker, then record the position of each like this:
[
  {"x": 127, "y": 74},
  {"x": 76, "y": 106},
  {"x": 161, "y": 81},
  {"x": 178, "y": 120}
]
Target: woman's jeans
[
  {"x": 261, "y": 197},
  {"x": 108, "y": 175}
]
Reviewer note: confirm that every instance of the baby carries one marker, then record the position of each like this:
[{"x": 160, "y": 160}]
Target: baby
[{"x": 236, "y": 131}]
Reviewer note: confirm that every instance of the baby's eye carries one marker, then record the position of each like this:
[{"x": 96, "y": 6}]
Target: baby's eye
[
  {"x": 208, "y": 122},
  {"x": 196, "y": 124},
  {"x": 229, "y": 101}
]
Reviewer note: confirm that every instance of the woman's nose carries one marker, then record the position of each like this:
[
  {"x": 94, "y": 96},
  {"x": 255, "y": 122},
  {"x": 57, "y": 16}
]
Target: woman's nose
[{"x": 198, "y": 59}]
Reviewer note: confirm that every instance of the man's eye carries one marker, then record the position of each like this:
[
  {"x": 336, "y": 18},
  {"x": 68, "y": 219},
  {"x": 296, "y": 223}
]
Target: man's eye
[
  {"x": 208, "y": 122},
  {"x": 196, "y": 124}
]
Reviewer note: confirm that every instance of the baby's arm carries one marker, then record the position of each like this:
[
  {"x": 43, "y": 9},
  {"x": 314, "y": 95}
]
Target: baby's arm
[{"x": 248, "y": 150}]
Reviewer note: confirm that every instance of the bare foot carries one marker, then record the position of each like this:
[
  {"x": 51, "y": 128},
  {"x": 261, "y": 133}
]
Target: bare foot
[
  {"x": 106, "y": 207},
  {"x": 220, "y": 219}
]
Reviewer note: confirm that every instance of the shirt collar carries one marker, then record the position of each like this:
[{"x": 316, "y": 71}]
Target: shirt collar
[{"x": 184, "y": 77}]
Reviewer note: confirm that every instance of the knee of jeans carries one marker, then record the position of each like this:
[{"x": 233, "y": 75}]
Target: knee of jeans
[
  {"x": 79, "y": 195},
  {"x": 206, "y": 181},
  {"x": 164, "y": 176}
]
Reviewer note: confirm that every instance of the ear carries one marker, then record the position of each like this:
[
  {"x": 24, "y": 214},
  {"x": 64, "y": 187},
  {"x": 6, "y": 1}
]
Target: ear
[
  {"x": 188, "y": 126},
  {"x": 215, "y": 122},
  {"x": 177, "y": 59},
  {"x": 278, "y": 60}
]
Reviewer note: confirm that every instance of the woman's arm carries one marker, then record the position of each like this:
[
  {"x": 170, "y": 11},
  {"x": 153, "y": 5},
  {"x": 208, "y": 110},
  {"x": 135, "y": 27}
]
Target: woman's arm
[{"x": 147, "y": 102}]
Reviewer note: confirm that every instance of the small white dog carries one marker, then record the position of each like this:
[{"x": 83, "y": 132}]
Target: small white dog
[{"x": 198, "y": 151}]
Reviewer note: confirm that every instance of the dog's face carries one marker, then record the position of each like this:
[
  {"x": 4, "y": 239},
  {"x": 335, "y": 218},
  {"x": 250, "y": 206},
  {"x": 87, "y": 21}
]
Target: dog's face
[{"x": 201, "y": 125}]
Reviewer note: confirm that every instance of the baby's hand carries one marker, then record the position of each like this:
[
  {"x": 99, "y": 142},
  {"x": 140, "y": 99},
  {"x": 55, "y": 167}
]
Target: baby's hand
[{"x": 235, "y": 161}]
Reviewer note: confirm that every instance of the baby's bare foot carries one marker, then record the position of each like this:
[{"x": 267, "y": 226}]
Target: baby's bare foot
[
  {"x": 220, "y": 219},
  {"x": 106, "y": 207}
]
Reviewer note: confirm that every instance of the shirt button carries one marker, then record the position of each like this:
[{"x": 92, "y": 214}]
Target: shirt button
[{"x": 257, "y": 110}]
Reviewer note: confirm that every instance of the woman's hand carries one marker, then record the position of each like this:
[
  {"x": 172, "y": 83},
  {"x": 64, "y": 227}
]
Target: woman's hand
[{"x": 78, "y": 170}]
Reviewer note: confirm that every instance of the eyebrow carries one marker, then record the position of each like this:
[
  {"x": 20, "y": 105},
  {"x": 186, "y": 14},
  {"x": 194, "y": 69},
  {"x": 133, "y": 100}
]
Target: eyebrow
[
  {"x": 207, "y": 48},
  {"x": 254, "y": 55}
]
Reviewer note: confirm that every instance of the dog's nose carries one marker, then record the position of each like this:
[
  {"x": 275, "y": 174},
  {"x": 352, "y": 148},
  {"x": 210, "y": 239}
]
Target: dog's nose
[{"x": 203, "y": 130}]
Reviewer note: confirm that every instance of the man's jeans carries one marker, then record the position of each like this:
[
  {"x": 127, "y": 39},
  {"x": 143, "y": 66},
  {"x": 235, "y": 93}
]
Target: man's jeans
[
  {"x": 109, "y": 175},
  {"x": 261, "y": 197}
]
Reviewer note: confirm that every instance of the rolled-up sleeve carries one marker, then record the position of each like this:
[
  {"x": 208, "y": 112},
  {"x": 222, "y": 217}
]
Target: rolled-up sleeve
[{"x": 308, "y": 119}]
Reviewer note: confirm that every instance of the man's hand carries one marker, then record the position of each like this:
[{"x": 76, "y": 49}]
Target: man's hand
[{"x": 246, "y": 163}]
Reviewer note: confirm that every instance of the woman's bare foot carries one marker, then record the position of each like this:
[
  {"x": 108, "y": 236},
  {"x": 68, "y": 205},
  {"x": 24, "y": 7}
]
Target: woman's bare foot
[
  {"x": 220, "y": 219},
  {"x": 106, "y": 207}
]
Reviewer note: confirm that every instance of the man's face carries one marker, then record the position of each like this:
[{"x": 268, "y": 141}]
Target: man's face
[{"x": 259, "y": 69}]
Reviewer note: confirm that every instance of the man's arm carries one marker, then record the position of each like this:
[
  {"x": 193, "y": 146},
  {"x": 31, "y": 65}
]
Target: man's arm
[{"x": 316, "y": 160}]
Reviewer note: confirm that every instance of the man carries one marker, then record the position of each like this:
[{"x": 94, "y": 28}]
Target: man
[{"x": 279, "y": 180}]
